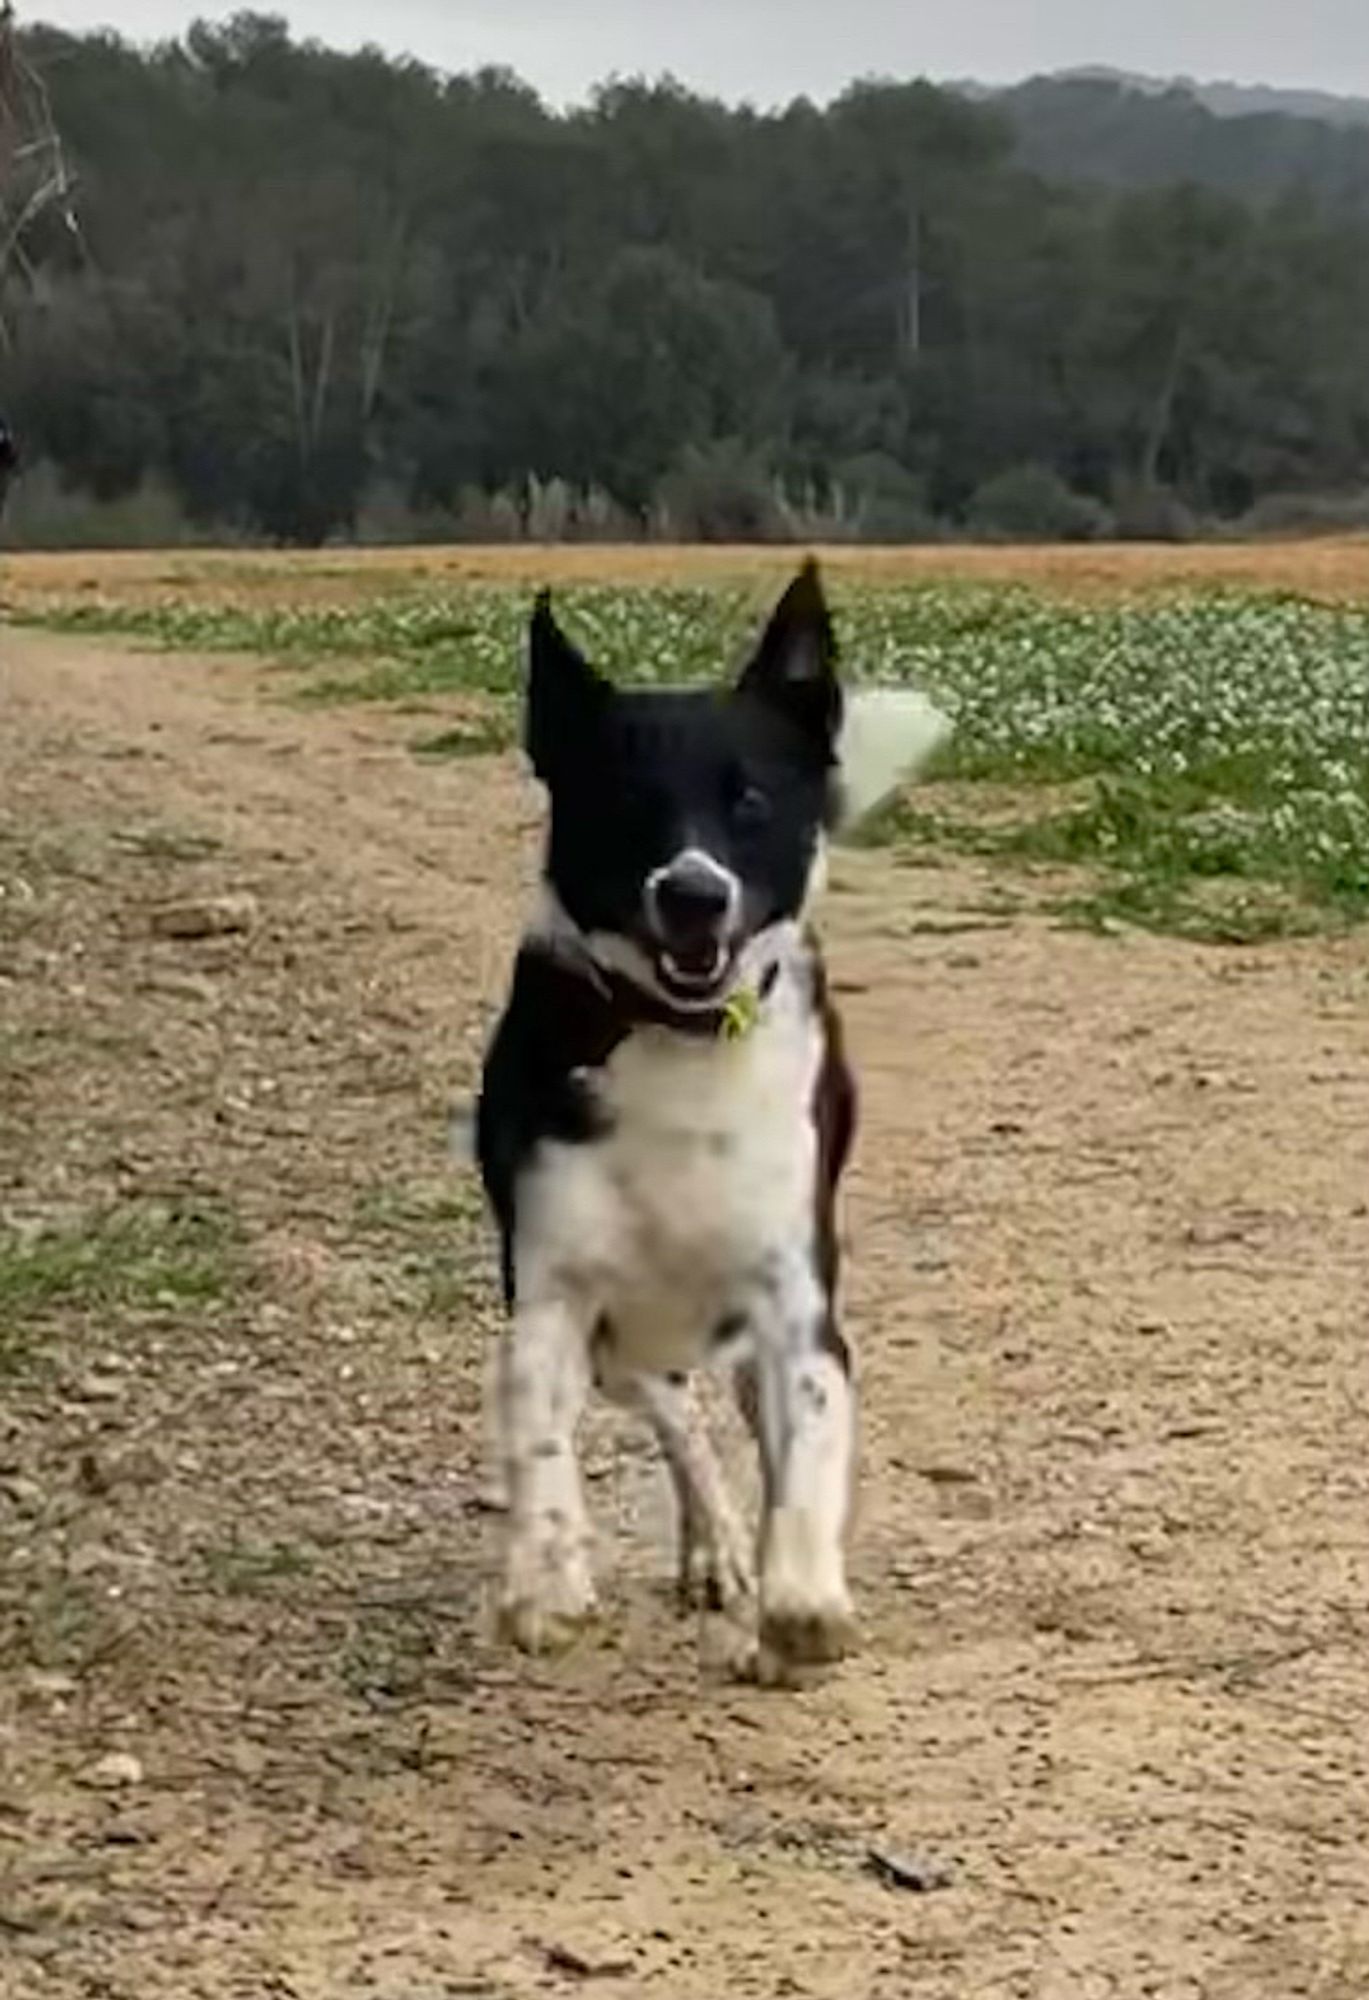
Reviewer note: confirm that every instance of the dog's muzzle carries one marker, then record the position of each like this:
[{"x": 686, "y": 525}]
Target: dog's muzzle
[{"x": 692, "y": 910}]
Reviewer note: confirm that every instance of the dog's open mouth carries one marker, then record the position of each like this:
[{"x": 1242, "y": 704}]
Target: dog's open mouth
[{"x": 695, "y": 973}]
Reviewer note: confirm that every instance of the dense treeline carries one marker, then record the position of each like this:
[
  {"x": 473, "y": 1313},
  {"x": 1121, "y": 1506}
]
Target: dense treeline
[{"x": 309, "y": 287}]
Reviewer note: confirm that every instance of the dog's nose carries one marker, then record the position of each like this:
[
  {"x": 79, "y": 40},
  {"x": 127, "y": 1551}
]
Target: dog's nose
[{"x": 693, "y": 897}]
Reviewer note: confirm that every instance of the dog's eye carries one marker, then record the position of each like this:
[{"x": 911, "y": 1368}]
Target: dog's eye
[{"x": 750, "y": 806}]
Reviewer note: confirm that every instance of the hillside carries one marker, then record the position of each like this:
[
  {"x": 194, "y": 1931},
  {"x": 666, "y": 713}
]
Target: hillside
[
  {"x": 1237, "y": 100},
  {"x": 1135, "y": 132}
]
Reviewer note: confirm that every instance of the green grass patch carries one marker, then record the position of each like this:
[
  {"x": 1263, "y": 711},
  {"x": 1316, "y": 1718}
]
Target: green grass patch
[
  {"x": 1203, "y": 854},
  {"x": 417, "y": 1210},
  {"x": 1135, "y": 903},
  {"x": 139, "y": 1259},
  {"x": 254, "y": 1569}
]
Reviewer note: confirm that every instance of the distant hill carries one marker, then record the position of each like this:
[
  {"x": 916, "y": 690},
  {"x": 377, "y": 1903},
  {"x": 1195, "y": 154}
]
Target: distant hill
[
  {"x": 1224, "y": 100},
  {"x": 1239, "y": 100},
  {"x": 1135, "y": 131}
]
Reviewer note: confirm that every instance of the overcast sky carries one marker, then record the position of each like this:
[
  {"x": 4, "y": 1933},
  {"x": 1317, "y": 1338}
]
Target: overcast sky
[{"x": 770, "y": 50}]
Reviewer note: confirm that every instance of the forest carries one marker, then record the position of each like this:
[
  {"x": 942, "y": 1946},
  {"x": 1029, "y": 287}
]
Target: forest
[{"x": 293, "y": 294}]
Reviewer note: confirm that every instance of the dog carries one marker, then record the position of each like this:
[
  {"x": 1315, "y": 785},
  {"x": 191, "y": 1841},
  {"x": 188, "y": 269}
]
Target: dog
[{"x": 665, "y": 1112}]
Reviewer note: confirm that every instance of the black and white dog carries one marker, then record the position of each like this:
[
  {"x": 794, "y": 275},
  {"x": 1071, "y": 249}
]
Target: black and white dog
[{"x": 665, "y": 1113}]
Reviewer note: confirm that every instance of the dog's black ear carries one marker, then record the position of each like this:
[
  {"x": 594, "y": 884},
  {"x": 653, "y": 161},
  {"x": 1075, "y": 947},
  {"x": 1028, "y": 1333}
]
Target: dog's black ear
[
  {"x": 794, "y": 668},
  {"x": 564, "y": 691}
]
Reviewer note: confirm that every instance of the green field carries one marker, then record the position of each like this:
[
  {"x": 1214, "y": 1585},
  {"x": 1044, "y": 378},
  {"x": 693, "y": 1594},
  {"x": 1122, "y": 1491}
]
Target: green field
[{"x": 1195, "y": 761}]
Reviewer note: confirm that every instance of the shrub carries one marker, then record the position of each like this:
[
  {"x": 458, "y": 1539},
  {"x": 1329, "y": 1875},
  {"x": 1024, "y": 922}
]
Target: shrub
[
  {"x": 45, "y": 513},
  {"x": 719, "y": 492},
  {"x": 388, "y": 518},
  {"x": 888, "y": 502},
  {"x": 1307, "y": 514},
  {"x": 1030, "y": 503},
  {"x": 1152, "y": 513}
]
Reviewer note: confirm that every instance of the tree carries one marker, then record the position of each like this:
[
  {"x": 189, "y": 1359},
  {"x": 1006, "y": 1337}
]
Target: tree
[
  {"x": 613, "y": 379},
  {"x": 299, "y": 272}
]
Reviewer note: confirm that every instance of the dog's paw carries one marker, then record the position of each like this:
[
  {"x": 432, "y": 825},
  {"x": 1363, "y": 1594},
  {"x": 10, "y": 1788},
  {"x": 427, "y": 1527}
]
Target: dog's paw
[
  {"x": 806, "y": 1615},
  {"x": 541, "y": 1629},
  {"x": 794, "y": 1636},
  {"x": 548, "y": 1599},
  {"x": 716, "y": 1569},
  {"x": 792, "y": 1650}
]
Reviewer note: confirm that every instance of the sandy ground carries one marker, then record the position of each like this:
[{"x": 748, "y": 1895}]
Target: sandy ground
[
  {"x": 1109, "y": 1230},
  {"x": 1335, "y": 568}
]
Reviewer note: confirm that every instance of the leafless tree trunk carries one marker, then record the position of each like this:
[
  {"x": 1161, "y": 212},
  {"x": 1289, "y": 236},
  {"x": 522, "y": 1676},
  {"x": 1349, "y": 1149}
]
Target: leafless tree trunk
[
  {"x": 912, "y": 290},
  {"x": 1162, "y": 411},
  {"x": 380, "y": 311}
]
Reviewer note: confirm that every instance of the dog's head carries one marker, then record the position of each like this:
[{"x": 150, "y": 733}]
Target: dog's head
[{"x": 685, "y": 825}]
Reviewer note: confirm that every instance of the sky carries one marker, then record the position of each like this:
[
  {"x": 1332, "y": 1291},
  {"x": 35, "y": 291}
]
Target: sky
[{"x": 768, "y": 51}]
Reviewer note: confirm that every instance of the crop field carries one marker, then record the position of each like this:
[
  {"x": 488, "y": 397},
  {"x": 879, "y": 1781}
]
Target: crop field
[{"x": 264, "y": 842}]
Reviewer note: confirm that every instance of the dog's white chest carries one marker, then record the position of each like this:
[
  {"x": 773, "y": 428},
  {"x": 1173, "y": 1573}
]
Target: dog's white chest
[{"x": 703, "y": 1183}]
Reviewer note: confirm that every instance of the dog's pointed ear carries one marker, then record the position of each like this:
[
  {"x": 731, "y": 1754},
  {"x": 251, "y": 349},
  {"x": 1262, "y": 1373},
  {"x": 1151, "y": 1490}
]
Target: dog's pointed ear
[
  {"x": 564, "y": 691},
  {"x": 794, "y": 668}
]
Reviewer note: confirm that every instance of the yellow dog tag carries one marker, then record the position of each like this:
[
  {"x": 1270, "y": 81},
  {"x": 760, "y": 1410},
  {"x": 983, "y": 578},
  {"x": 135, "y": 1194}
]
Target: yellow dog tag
[{"x": 741, "y": 1014}]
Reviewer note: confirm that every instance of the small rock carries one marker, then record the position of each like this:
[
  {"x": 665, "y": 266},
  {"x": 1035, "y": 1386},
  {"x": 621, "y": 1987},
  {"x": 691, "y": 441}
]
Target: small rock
[
  {"x": 183, "y": 986},
  {"x": 903, "y": 1871},
  {"x": 26, "y": 1495},
  {"x": 565, "y": 1958},
  {"x": 213, "y": 916},
  {"x": 140, "y": 1465},
  {"x": 91, "y": 1475},
  {"x": 52, "y": 1686},
  {"x": 93, "y": 1388},
  {"x": 115, "y": 1772}
]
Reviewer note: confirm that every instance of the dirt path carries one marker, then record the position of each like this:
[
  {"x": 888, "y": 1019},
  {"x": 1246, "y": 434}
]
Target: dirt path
[{"x": 1110, "y": 1232}]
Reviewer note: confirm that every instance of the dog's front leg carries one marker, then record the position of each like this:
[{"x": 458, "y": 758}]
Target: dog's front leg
[
  {"x": 804, "y": 1410},
  {"x": 548, "y": 1586}
]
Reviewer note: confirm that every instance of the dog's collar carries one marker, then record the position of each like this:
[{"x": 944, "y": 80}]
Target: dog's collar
[
  {"x": 634, "y": 1006},
  {"x": 733, "y": 1021}
]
